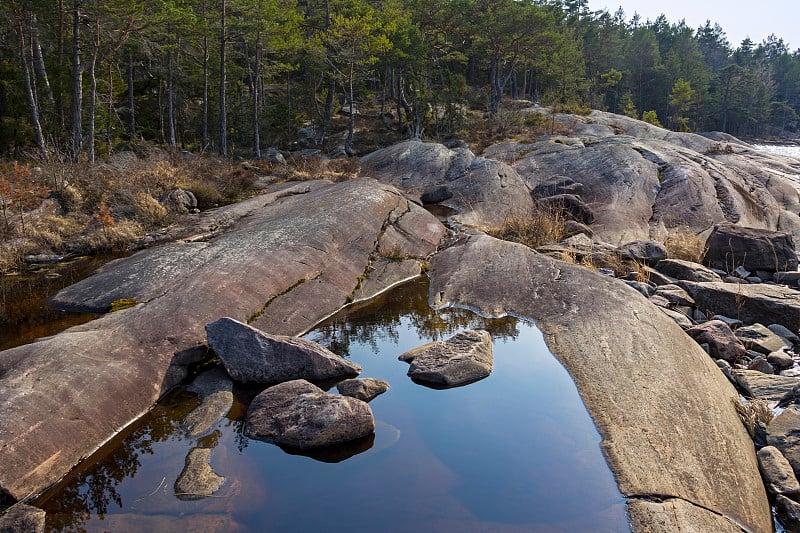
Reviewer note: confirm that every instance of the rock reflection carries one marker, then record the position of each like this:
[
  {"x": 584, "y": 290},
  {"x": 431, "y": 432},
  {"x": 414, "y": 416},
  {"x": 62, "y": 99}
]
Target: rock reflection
[
  {"x": 379, "y": 320},
  {"x": 91, "y": 488},
  {"x": 336, "y": 453}
]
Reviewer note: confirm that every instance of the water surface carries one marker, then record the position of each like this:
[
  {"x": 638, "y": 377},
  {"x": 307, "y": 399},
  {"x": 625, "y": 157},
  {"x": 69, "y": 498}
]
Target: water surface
[{"x": 516, "y": 451}]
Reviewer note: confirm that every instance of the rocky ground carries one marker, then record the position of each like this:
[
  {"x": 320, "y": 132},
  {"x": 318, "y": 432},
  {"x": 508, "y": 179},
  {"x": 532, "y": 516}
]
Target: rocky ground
[{"x": 658, "y": 346}]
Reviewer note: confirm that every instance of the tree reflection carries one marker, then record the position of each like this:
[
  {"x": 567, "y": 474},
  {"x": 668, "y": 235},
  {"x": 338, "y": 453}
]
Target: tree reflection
[
  {"x": 92, "y": 487},
  {"x": 379, "y": 320}
]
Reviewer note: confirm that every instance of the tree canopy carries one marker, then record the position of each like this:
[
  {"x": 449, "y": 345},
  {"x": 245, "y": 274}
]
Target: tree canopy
[{"x": 80, "y": 77}]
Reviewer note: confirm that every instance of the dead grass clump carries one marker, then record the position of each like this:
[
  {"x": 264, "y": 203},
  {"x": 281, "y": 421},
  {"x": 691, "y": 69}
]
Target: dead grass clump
[
  {"x": 684, "y": 244},
  {"x": 121, "y": 236},
  {"x": 751, "y": 412},
  {"x": 541, "y": 226},
  {"x": 342, "y": 169}
]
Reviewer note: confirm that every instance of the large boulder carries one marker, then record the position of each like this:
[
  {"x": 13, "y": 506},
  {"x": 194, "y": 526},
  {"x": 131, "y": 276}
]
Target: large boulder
[
  {"x": 750, "y": 303},
  {"x": 464, "y": 358},
  {"x": 687, "y": 270},
  {"x": 484, "y": 191},
  {"x": 636, "y": 371},
  {"x": 281, "y": 262},
  {"x": 730, "y": 246},
  {"x": 250, "y": 355},
  {"x": 22, "y": 518},
  {"x": 299, "y": 414}
]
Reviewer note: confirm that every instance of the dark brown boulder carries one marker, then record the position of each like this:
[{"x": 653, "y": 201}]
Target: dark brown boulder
[
  {"x": 730, "y": 246},
  {"x": 722, "y": 342}
]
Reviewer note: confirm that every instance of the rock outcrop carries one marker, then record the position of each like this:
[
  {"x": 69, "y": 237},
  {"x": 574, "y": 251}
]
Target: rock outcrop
[
  {"x": 630, "y": 363},
  {"x": 280, "y": 262},
  {"x": 639, "y": 179},
  {"x": 250, "y": 355},
  {"x": 300, "y": 415},
  {"x": 484, "y": 191}
]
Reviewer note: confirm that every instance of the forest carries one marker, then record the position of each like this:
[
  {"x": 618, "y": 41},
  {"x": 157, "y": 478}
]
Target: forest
[{"x": 83, "y": 78}]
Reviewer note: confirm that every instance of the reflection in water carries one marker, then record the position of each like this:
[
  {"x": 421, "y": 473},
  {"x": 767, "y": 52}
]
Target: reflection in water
[
  {"x": 513, "y": 452},
  {"x": 24, "y": 314}
]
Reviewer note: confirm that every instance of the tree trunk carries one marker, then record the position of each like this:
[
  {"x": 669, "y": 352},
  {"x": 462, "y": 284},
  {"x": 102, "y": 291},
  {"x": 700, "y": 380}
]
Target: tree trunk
[
  {"x": 29, "y": 92},
  {"x": 223, "y": 107},
  {"x": 76, "y": 140},
  {"x": 205, "y": 84},
  {"x": 171, "y": 98},
  {"x": 351, "y": 126},
  {"x": 93, "y": 90},
  {"x": 131, "y": 99},
  {"x": 38, "y": 64},
  {"x": 255, "y": 76}
]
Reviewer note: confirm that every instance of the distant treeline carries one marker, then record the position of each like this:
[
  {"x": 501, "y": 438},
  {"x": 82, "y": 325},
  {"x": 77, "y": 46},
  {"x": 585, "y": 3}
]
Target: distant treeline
[{"x": 82, "y": 77}]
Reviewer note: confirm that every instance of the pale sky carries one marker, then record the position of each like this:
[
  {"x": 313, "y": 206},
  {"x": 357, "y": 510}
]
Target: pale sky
[{"x": 739, "y": 19}]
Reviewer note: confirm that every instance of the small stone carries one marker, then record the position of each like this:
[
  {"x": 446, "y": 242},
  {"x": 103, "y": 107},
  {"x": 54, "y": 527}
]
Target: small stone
[
  {"x": 760, "y": 364},
  {"x": 679, "y": 318},
  {"x": 779, "y": 478},
  {"x": 644, "y": 288},
  {"x": 675, "y": 295},
  {"x": 364, "y": 389},
  {"x": 741, "y": 272},
  {"x": 753, "y": 279},
  {"x": 733, "y": 323},
  {"x": 781, "y": 360}
]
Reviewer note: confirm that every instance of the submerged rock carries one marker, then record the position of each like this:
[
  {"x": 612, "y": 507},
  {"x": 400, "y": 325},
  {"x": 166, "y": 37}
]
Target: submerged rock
[
  {"x": 301, "y": 415},
  {"x": 250, "y": 355},
  {"x": 22, "y": 518},
  {"x": 197, "y": 480},
  {"x": 464, "y": 358},
  {"x": 364, "y": 389},
  {"x": 215, "y": 390}
]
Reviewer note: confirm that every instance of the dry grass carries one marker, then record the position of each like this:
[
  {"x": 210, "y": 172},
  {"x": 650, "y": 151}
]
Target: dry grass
[
  {"x": 753, "y": 411},
  {"x": 534, "y": 229},
  {"x": 317, "y": 167},
  {"x": 682, "y": 243}
]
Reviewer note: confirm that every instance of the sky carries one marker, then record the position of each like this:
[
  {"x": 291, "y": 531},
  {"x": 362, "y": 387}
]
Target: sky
[{"x": 756, "y": 19}]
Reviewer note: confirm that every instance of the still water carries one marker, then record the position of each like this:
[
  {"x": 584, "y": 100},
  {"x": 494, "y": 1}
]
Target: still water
[
  {"x": 781, "y": 149},
  {"x": 516, "y": 451}
]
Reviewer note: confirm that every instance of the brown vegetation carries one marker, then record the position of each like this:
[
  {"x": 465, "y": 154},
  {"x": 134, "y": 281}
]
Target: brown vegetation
[{"x": 682, "y": 243}]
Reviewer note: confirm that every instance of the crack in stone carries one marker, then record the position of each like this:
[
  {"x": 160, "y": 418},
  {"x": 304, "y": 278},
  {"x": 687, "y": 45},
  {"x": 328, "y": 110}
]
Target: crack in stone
[{"x": 665, "y": 498}]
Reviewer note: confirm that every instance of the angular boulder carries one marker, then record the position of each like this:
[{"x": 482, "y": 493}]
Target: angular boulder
[
  {"x": 636, "y": 370},
  {"x": 464, "y": 358},
  {"x": 730, "y": 246},
  {"x": 722, "y": 342},
  {"x": 364, "y": 389},
  {"x": 250, "y": 355},
  {"x": 762, "y": 303},
  {"x": 647, "y": 252},
  {"x": 299, "y": 414},
  {"x": 760, "y": 339},
  {"x": 783, "y": 432},
  {"x": 686, "y": 270}
]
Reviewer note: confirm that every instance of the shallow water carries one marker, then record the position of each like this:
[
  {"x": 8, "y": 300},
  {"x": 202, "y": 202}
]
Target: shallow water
[
  {"x": 24, "y": 313},
  {"x": 516, "y": 451},
  {"x": 782, "y": 149}
]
